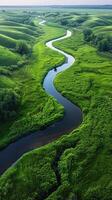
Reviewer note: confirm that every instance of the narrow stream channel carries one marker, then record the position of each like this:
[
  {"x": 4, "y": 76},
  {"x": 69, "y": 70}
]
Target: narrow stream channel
[{"x": 71, "y": 120}]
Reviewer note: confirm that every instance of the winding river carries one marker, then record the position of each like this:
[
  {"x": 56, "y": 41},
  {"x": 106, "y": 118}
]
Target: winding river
[{"x": 71, "y": 120}]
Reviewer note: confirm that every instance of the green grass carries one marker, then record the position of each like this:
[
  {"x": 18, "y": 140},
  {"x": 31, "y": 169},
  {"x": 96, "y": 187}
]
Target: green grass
[
  {"x": 7, "y": 57},
  {"x": 90, "y": 87},
  {"x": 15, "y": 24},
  {"x": 16, "y": 34},
  {"x": 23, "y": 29},
  {"x": 95, "y": 21},
  {"x": 36, "y": 109},
  {"x": 80, "y": 163},
  {"x": 83, "y": 157},
  {"x": 11, "y": 32},
  {"x": 105, "y": 30},
  {"x": 7, "y": 41}
]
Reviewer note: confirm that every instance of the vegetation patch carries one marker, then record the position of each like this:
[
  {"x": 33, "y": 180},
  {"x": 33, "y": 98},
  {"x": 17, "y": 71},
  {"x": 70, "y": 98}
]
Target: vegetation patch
[{"x": 22, "y": 70}]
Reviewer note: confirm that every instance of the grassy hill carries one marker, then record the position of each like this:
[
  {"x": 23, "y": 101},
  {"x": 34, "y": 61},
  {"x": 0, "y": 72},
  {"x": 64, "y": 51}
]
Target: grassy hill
[
  {"x": 22, "y": 75},
  {"x": 7, "y": 57},
  {"x": 105, "y": 30}
]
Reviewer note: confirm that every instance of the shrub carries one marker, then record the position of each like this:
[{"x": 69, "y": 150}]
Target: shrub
[
  {"x": 64, "y": 22},
  {"x": 23, "y": 48},
  {"x": 81, "y": 19},
  {"x": 105, "y": 44},
  {"x": 9, "y": 102},
  {"x": 88, "y": 34}
]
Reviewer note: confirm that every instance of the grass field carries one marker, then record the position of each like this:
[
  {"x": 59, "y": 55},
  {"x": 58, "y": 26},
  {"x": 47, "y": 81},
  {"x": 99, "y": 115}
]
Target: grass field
[
  {"x": 32, "y": 113},
  {"x": 78, "y": 165}
]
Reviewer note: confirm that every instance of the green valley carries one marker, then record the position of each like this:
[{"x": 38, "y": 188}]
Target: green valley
[{"x": 78, "y": 165}]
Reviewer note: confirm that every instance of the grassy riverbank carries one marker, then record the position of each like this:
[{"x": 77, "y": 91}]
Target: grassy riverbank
[
  {"x": 90, "y": 87},
  {"x": 35, "y": 109},
  {"x": 78, "y": 164}
]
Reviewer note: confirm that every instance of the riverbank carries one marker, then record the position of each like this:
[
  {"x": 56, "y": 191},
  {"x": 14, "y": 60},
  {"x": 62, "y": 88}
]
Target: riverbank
[
  {"x": 36, "y": 110},
  {"x": 71, "y": 119}
]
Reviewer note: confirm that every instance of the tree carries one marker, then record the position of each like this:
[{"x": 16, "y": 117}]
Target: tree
[
  {"x": 9, "y": 104},
  {"x": 64, "y": 22},
  {"x": 88, "y": 34},
  {"x": 98, "y": 38},
  {"x": 103, "y": 45},
  {"x": 23, "y": 48}
]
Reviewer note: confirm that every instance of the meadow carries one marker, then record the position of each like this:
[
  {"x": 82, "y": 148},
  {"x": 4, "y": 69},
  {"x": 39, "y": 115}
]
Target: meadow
[
  {"x": 21, "y": 79},
  {"x": 79, "y": 164}
]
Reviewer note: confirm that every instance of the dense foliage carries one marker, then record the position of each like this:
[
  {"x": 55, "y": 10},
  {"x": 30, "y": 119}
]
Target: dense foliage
[
  {"x": 9, "y": 103},
  {"x": 89, "y": 86},
  {"x": 23, "y": 48},
  {"x": 103, "y": 43},
  {"x": 22, "y": 69}
]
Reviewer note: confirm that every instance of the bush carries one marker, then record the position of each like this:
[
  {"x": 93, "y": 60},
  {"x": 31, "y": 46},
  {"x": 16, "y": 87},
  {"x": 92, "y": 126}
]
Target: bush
[
  {"x": 88, "y": 34},
  {"x": 64, "y": 22},
  {"x": 9, "y": 102},
  {"x": 82, "y": 19},
  {"x": 105, "y": 44},
  {"x": 23, "y": 48},
  {"x": 4, "y": 71}
]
